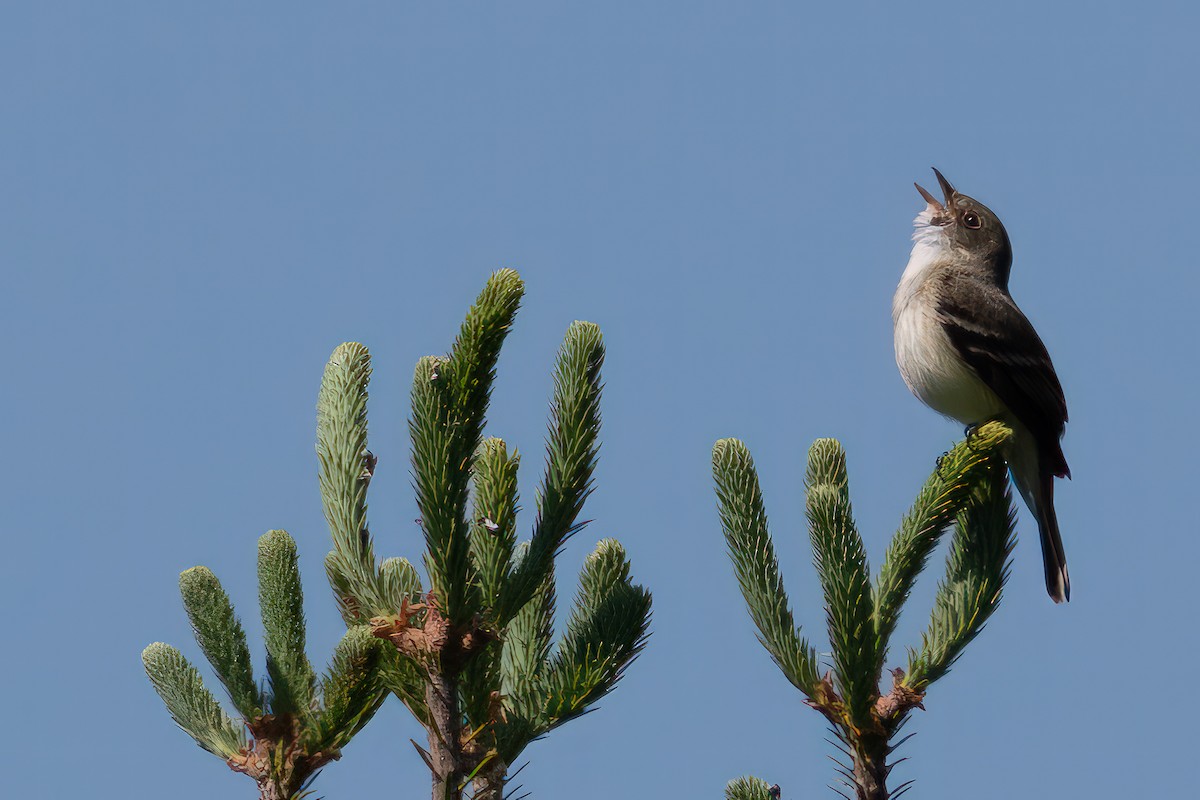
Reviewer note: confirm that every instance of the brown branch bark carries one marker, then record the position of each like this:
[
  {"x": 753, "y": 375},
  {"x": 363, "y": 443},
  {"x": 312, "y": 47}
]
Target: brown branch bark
[
  {"x": 275, "y": 759},
  {"x": 422, "y": 634},
  {"x": 270, "y": 790},
  {"x": 445, "y": 747},
  {"x": 868, "y": 748},
  {"x": 870, "y": 767}
]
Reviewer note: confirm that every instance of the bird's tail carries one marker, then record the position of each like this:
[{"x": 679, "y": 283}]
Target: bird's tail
[
  {"x": 1034, "y": 472},
  {"x": 1054, "y": 557}
]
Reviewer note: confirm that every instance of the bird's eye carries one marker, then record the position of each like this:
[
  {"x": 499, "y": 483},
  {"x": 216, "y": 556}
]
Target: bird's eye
[{"x": 971, "y": 220}]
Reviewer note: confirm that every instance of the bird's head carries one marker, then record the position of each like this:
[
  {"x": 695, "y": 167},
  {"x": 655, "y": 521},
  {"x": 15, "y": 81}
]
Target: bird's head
[{"x": 964, "y": 224}]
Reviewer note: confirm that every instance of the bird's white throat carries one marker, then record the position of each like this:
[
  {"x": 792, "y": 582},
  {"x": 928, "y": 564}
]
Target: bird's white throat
[
  {"x": 928, "y": 361},
  {"x": 930, "y": 245}
]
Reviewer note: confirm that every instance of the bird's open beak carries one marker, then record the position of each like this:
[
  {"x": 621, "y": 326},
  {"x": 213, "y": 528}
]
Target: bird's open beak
[
  {"x": 930, "y": 199},
  {"x": 938, "y": 209},
  {"x": 947, "y": 190}
]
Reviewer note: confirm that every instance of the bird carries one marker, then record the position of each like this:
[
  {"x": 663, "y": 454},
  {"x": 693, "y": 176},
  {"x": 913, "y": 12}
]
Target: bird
[{"x": 967, "y": 351}]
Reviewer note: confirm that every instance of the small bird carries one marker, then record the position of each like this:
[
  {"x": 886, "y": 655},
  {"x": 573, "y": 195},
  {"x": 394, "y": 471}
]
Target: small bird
[{"x": 967, "y": 351}]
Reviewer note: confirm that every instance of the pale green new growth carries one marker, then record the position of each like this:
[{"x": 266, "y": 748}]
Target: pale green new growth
[
  {"x": 281, "y": 601},
  {"x": 976, "y": 571},
  {"x": 494, "y": 516},
  {"x": 192, "y": 706},
  {"x": 968, "y": 488},
  {"x": 350, "y": 690},
  {"x": 527, "y": 643},
  {"x": 572, "y": 449},
  {"x": 841, "y": 561},
  {"x": 606, "y": 630},
  {"x": 220, "y": 635},
  {"x": 744, "y": 521},
  {"x": 345, "y": 468},
  {"x": 398, "y": 581},
  {"x": 470, "y": 653},
  {"x": 748, "y": 788},
  {"x": 294, "y": 729},
  {"x": 449, "y": 401},
  {"x": 922, "y": 528},
  {"x": 473, "y": 657}
]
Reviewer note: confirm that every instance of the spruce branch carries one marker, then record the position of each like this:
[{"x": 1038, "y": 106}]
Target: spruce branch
[
  {"x": 407, "y": 680},
  {"x": 544, "y": 687},
  {"x": 841, "y": 561},
  {"x": 351, "y": 691},
  {"x": 471, "y": 652},
  {"x": 750, "y": 788},
  {"x": 477, "y": 699},
  {"x": 494, "y": 517},
  {"x": 744, "y": 522},
  {"x": 476, "y": 351},
  {"x": 605, "y": 634},
  {"x": 364, "y": 589},
  {"x": 345, "y": 468},
  {"x": 293, "y": 732},
  {"x": 604, "y": 570},
  {"x": 344, "y": 591},
  {"x": 976, "y": 572},
  {"x": 281, "y": 601},
  {"x": 449, "y": 405},
  {"x": 398, "y": 582},
  {"x": 969, "y": 487},
  {"x": 528, "y": 641},
  {"x": 441, "y": 488},
  {"x": 190, "y": 704},
  {"x": 220, "y": 635},
  {"x": 939, "y": 500},
  {"x": 572, "y": 451}
]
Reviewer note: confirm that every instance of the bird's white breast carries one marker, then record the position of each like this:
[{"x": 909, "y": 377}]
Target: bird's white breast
[{"x": 928, "y": 360}]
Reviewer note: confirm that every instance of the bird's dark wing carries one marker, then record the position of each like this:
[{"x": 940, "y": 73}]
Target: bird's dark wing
[{"x": 1000, "y": 344}]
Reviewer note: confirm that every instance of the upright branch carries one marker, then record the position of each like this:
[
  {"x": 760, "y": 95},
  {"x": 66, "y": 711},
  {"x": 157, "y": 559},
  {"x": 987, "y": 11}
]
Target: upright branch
[
  {"x": 751, "y": 788},
  {"x": 295, "y": 724},
  {"x": 967, "y": 489},
  {"x": 473, "y": 654}
]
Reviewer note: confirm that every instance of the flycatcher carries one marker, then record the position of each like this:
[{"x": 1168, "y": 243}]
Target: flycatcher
[{"x": 967, "y": 351}]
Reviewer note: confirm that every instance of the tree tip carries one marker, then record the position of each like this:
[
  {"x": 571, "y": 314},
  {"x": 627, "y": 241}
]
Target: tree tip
[
  {"x": 155, "y": 650},
  {"x": 197, "y": 573},
  {"x": 825, "y": 447},
  {"x": 507, "y": 280},
  {"x": 276, "y": 537},
  {"x": 723, "y": 446},
  {"x": 583, "y": 325},
  {"x": 607, "y": 548},
  {"x": 348, "y": 349}
]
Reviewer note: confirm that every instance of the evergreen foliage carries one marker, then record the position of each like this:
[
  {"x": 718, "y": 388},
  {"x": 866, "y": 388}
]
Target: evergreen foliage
[
  {"x": 221, "y": 637},
  {"x": 191, "y": 705},
  {"x": 474, "y": 656},
  {"x": 281, "y": 600},
  {"x": 750, "y": 788},
  {"x": 293, "y": 727},
  {"x": 967, "y": 489}
]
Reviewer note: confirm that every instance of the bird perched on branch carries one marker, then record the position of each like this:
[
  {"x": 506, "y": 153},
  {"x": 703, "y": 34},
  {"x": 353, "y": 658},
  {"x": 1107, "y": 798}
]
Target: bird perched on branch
[{"x": 965, "y": 350}]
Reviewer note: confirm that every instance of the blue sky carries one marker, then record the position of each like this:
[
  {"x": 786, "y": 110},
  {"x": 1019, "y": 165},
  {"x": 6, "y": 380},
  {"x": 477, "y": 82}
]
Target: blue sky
[{"x": 198, "y": 202}]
